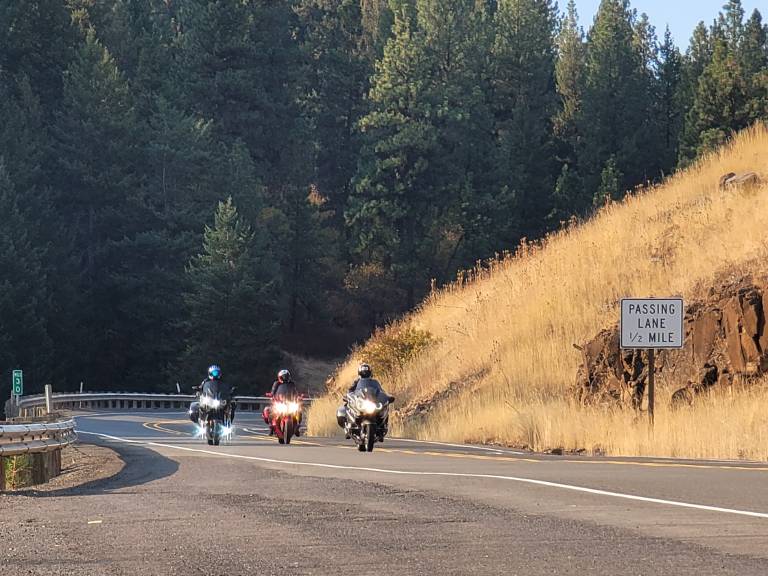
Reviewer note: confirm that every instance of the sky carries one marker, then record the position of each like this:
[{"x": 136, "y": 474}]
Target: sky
[{"x": 681, "y": 15}]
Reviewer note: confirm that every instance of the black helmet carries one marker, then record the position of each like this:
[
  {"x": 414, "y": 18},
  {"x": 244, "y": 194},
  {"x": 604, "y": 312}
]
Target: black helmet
[
  {"x": 283, "y": 376},
  {"x": 364, "y": 371}
]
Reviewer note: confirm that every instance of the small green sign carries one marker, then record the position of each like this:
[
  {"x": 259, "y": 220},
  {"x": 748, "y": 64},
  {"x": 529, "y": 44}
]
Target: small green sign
[{"x": 18, "y": 382}]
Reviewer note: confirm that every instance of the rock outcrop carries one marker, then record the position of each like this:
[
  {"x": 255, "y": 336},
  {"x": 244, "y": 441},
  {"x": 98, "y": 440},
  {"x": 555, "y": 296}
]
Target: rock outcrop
[
  {"x": 743, "y": 180},
  {"x": 726, "y": 340}
]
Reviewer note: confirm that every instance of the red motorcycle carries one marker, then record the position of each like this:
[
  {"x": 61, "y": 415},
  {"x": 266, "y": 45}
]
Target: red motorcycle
[{"x": 284, "y": 416}]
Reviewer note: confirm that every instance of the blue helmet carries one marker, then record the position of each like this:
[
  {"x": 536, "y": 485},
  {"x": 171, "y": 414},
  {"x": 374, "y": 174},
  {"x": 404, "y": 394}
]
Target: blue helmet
[{"x": 214, "y": 372}]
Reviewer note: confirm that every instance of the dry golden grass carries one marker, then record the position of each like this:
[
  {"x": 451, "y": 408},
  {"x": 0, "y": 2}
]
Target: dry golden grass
[{"x": 504, "y": 340}]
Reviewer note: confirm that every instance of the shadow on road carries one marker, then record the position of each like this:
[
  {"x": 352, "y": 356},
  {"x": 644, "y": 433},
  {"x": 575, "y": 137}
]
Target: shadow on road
[{"x": 141, "y": 466}]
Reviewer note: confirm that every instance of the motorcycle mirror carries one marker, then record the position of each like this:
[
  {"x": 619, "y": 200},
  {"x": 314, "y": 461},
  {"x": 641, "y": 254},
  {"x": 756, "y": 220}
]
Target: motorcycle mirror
[{"x": 268, "y": 394}]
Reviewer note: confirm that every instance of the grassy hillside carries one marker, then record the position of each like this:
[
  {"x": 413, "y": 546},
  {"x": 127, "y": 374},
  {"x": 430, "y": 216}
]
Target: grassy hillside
[{"x": 502, "y": 360}]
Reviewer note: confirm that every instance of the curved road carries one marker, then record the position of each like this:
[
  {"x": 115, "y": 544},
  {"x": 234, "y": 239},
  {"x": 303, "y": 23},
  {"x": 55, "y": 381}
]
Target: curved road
[{"x": 319, "y": 506}]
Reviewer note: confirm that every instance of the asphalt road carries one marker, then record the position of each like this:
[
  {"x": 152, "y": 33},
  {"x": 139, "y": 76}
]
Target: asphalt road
[{"x": 319, "y": 506}]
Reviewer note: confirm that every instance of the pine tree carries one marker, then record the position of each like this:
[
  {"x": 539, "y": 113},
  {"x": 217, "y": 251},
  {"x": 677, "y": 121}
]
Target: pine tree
[
  {"x": 569, "y": 72},
  {"x": 23, "y": 143},
  {"x": 524, "y": 103},
  {"x": 650, "y": 137},
  {"x": 610, "y": 183},
  {"x": 418, "y": 170},
  {"x": 569, "y": 198},
  {"x": 337, "y": 83},
  {"x": 183, "y": 167},
  {"x": 22, "y": 53},
  {"x": 670, "y": 103},
  {"x": 240, "y": 67},
  {"x": 731, "y": 22},
  {"x": 306, "y": 245},
  {"x": 722, "y": 104},
  {"x": 615, "y": 118},
  {"x": 698, "y": 55},
  {"x": 24, "y": 341},
  {"x": 754, "y": 62},
  {"x": 232, "y": 303},
  {"x": 95, "y": 144},
  {"x": 142, "y": 36},
  {"x": 377, "y": 19},
  {"x": 754, "y": 48},
  {"x": 722, "y": 101}
]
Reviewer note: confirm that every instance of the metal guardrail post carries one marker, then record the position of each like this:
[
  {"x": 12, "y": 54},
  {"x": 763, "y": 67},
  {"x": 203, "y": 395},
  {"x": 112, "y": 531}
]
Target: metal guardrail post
[{"x": 48, "y": 399}]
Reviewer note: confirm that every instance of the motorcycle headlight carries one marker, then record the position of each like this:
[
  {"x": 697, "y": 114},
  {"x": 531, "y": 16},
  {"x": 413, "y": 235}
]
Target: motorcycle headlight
[
  {"x": 215, "y": 403},
  {"x": 204, "y": 400},
  {"x": 369, "y": 407},
  {"x": 281, "y": 407},
  {"x": 293, "y": 407}
]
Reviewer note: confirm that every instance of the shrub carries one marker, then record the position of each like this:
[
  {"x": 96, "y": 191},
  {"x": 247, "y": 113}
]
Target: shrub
[
  {"x": 392, "y": 348},
  {"x": 17, "y": 471}
]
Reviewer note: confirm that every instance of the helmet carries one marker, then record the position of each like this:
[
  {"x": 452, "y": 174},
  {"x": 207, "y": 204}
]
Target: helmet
[
  {"x": 214, "y": 372},
  {"x": 283, "y": 376},
  {"x": 364, "y": 371}
]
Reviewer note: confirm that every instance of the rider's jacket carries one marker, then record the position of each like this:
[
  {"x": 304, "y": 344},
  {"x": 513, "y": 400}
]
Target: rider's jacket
[
  {"x": 212, "y": 387},
  {"x": 284, "y": 389}
]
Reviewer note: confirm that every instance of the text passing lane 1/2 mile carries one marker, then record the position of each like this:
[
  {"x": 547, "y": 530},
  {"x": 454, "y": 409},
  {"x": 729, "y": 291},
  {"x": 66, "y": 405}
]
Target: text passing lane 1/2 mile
[{"x": 652, "y": 323}]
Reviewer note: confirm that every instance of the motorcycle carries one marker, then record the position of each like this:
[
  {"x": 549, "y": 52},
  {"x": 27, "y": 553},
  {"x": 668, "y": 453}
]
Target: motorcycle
[
  {"x": 213, "y": 413},
  {"x": 285, "y": 416},
  {"x": 364, "y": 417}
]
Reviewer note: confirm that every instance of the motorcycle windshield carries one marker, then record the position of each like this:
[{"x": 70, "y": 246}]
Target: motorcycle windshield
[
  {"x": 216, "y": 390},
  {"x": 212, "y": 389},
  {"x": 371, "y": 390},
  {"x": 368, "y": 393}
]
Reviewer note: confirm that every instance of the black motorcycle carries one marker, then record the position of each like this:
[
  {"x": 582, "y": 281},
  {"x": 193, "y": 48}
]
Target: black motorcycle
[
  {"x": 364, "y": 417},
  {"x": 213, "y": 413}
]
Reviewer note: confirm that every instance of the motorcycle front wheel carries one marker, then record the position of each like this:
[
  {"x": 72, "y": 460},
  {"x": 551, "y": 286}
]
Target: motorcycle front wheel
[
  {"x": 367, "y": 437},
  {"x": 213, "y": 432},
  {"x": 287, "y": 429},
  {"x": 209, "y": 432}
]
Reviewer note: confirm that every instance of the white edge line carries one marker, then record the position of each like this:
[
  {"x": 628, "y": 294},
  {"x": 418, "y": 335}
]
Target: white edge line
[{"x": 533, "y": 481}]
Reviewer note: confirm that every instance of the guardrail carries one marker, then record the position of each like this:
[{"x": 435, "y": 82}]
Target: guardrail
[
  {"x": 32, "y": 405},
  {"x": 18, "y": 439},
  {"x": 42, "y": 441}
]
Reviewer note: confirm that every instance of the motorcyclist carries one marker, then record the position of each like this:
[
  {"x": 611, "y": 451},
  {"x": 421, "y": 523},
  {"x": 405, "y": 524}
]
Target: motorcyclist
[
  {"x": 365, "y": 379},
  {"x": 212, "y": 385},
  {"x": 284, "y": 387}
]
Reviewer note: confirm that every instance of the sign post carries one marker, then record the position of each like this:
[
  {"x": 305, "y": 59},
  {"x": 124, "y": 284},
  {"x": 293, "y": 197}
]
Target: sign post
[{"x": 652, "y": 324}]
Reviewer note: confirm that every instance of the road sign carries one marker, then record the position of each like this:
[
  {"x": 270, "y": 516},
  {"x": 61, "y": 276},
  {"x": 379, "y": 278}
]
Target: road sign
[
  {"x": 652, "y": 323},
  {"x": 18, "y": 382}
]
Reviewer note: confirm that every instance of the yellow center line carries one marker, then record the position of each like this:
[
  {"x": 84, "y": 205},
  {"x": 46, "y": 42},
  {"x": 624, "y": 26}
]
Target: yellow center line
[
  {"x": 157, "y": 427},
  {"x": 457, "y": 455}
]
